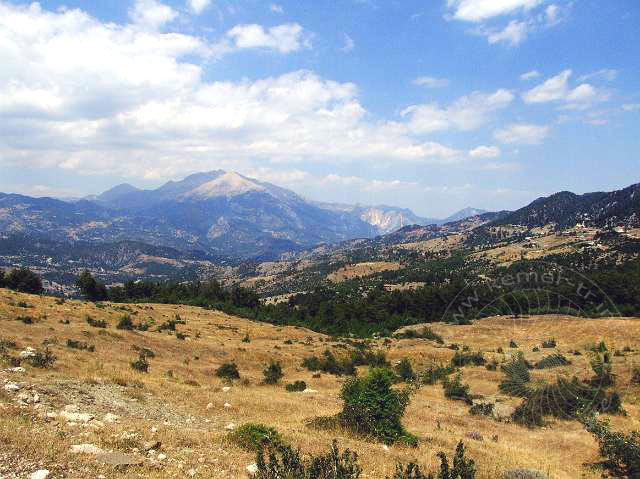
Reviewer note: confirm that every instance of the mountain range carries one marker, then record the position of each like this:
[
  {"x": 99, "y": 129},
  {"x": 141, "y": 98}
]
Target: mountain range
[{"x": 217, "y": 212}]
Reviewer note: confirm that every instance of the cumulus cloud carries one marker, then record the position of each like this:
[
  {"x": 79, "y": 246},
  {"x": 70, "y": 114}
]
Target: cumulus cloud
[
  {"x": 431, "y": 82},
  {"x": 275, "y": 8},
  {"x": 198, "y": 6},
  {"x": 485, "y": 152},
  {"x": 466, "y": 113},
  {"x": 285, "y": 38},
  {"x": 557, "y": 89},
  {"x": 522, "y": 133},
  {"x": 480, "y": 10},
  {"x": 513, "y": 34},
  {"x": 97, "y": 97},
  {"x": 151, "y": 14}
]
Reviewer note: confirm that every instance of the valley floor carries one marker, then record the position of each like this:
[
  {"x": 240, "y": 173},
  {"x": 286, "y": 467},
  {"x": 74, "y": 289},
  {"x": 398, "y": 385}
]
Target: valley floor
[{"x": 97, "y": 398}]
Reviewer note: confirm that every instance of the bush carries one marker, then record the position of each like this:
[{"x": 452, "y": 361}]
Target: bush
[
  {"x": 456, "y": 390},
  {"x": 141, "y": 364},
  {"x": 481, "y": 409},
  {"x": 462, "y": 468},
  {"x": 80, "y": 345},
  {"x": 330, "y": 364},
  {"x": 461, "y": 359},
  {"x": 550, "y": 343},
  {"x": 516, "y": 382},
  {"x": 96, "y": 323},
  {"x": 91, "y": 289},
  {"x": 621, "y": 451},
  {"x": 43, "y": 360},
  {"x": 273, "y": 373},
  {"x": 125, "y": 323},
  {"x": 424, "y": 333},
  {"x": 435, "y": 373},
  {"x": 373, "y": 408},
  {"x": 513, "y": 344},
  {"x": 283, "y": 462},
  {"x": 635, "y": 376},
  {"x": 228, "y": 371},
  {"x": 552, "y": 361},
  {"x": 297, "y": 386},
  {"x": 405, "y": 371},
  {"x": 246, "y": 338},
  {"x": 25, "y": 319},
  {"x": 253, "y": 436}
]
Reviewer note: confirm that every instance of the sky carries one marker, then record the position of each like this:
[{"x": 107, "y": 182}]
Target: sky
[{"x": 432, "y": 105}]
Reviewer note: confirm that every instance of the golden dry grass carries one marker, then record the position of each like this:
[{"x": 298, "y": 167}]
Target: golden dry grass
[
  {"x": 103, "y": 382},
  {"x": 360, "y": 270}
]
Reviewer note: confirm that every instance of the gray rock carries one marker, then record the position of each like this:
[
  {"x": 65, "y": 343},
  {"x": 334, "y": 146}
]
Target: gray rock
[
  {"x": 86, "y": 449},
  {"x": 41, "y": 474},
  {"x": 119, "y": 459},
  {"x": 523, "y": 474}
]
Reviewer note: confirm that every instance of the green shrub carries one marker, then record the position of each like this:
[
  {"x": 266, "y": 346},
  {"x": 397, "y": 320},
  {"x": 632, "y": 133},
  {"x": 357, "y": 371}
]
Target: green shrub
[
  {"x": 25, "y": 319},
  {"x": 80, "y": 345},
  {"x": 552, "y": 361},
  {"x": 513, "y": 344},
  {"x": 272, "y": 373},
  {"x": 621, "y": 451},
  {"x": 330, "y": 364},
  {"x": 462, "y": 468},
  {"x": 635, "y": 376},
  {"x": 246, "y": 338},
  {"x": 517, "y": 377},
  {"x": 181, "y": 336},
  {"x": 436, "y": 372},
  {"x": 96, "y": 323},
  {"x": 141, "y": 364},
  {"x": 42, "y": 359},
  {"x": 461, "y": 359},
  {"x": 549, "y": 343},
  {"x": 254, "y": 436},
  {"x": 228, "y": 371},
  {"x": 373, "y": 408},
  {"x": 405, "y": 371},
  {"x": 456, "y": 390},
  {"x": 424, "y": 333},
  {"x": 125, "y": 323},
  {"x": 297, "y": 386},
  {"x": 282, "y": 462},
  {"x": 481, "y": 409}
]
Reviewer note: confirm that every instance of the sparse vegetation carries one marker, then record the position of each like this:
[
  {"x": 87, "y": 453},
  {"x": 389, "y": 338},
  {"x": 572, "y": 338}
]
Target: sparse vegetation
[
  {"x": 100, "y": 323},
  {"x": 228, "y": 371},
  {"x": 254, "y": 436},
  {"x": 297, "y": 386},
  {"x": 456, "y": 390},
  {"x": 273, "y": 373}
]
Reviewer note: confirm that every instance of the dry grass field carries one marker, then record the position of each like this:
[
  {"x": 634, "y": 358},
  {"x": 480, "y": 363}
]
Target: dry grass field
[
  {"x": 360, "y": 270},
  {"x": 172, "y": 398}
]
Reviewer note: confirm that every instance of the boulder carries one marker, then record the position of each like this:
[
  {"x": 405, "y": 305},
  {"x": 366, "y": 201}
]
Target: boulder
[
  {"x": 252, "y": 469},
  {"x": 76, "y": 416},
  {"x": 41, "y": 474},
  {"x": 86, "y": 449}
]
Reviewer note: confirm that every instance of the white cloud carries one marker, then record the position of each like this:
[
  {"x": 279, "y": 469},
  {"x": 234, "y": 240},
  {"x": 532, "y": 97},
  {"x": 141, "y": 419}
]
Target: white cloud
[
  {"x": 485, "y": 152},
  {"x": 557, "y": 89},
  {"x": 631, "y": 106},
  {"x": 349, "y": 44},
  {"x": 530, "y": 75},
  {"x": 275, "y": 8},
  {"x": 480, "y": 10},
  {"x": 606, "y": 74},
  {"x": 151, "y": 14},
  {"x": 285, "y": 38},
  {"x": 513, "y": 34},
  {"x": 198, "y": 6},
  {"x": 552, "y": 13},
  {"x": 522, "y": 133},
  {"x": 466, "y": 113},
  {"x": 97, "y": 97},
  {"x": 431, "y": 82}
]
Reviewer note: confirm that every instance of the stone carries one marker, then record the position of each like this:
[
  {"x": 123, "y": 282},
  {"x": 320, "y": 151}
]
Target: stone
[
  {"x": 230, "y": 426},
  {"x": 29, "y": 352},
  {"x": 76, "y": 417},
  {"x": 154, "y": 429},
  {"x": 162, "y": 457},
  {"x": 226, "y": 388},
  {"x": 52, "y": 415},
  {"x": 40, "y": 474},
  {"x": 71, "y": 408},
  {"x": 385, "y": 447},
  {"x": 227, "y": 405},
  {"x": 307, "y": 391},
  {"x": 12, "y": 387},
  {"x": 36, "y": 398},
  {"x": 119, "y": 459},
  {"x": 252, "y": 469},
  {"x": 191, "y": 472},
  {"x": 110, "y": 418},
  {"x": 209, "y": 406},
  {"x": 523, "y": 474},
  {"x": 15, "y": 370},
  {"x": 86, "y": 449}
]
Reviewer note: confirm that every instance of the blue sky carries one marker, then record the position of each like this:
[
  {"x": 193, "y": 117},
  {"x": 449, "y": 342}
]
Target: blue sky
[{"x": 432, "y": 105}]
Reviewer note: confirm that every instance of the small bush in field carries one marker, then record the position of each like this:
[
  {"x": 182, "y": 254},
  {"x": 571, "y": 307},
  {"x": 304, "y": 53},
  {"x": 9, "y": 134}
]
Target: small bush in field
[
  {"x": 141, "y": 364},
  {"x": 228, "y": 371},
  {"x": 461, "y": 359},
  {"x": 125, "y": 323},
  {"x": 462, "y": 468},
  {"x": 273, "y": 373},
  {"x": 43, "y": 359},
  {"x": 96, "y": 323},
  {"x": 436, "y": 372},
  {"x": 297, "y": 386},
  {"x": 25, "y": 319},
  {"x": 456, "y": 390},
  {"x": 513, "y": 344},
  {"x": 80, "y": 345},
  {"x": 246, "y": 338},
  {"x": 549, "y": 343},
  {"x": 405, "y": 371},
  {"x": 481, "y": 409},
  {"x": 254, "y": 436}
]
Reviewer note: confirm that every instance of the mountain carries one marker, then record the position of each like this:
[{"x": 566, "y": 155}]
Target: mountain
[
  {"x": 566, "y": 209},
  {"x": 387, "y": 219}
]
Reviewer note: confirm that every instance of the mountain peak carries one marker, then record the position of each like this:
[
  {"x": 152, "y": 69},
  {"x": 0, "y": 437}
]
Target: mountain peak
[
  {"x": 117, "y": 192},
  {"x": 227, "y": 184}
]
